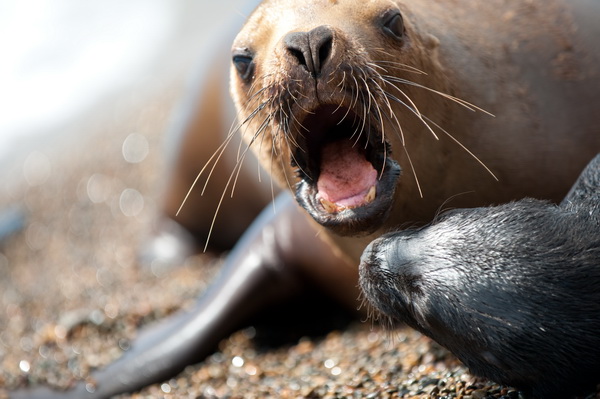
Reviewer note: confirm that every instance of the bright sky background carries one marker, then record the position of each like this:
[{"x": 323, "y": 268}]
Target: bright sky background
[{"x": 60, "y": 58}]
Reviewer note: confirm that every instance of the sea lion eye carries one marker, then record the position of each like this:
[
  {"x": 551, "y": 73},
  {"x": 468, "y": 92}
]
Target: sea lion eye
[
  {"x": 243, "y": 61},
  {"x": 393, "y": 25}
]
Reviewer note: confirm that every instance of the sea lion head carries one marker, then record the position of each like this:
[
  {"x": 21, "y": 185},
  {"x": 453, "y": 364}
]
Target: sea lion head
[
  {"x": 512, "y": 291},
  {"x": 326, "y": 93}
]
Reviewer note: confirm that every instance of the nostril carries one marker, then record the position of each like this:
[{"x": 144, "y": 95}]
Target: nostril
[
  {"x": 297, "y": 45},
  {"x": 311, "y": 49},
  {"x": 324, "y": 50},
  {"x": 321, "y": 44},
  {"x": 299, "y": 56}
]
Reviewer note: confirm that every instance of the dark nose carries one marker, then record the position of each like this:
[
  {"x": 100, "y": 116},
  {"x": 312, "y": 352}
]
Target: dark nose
[{"x": 311, "y": 49}]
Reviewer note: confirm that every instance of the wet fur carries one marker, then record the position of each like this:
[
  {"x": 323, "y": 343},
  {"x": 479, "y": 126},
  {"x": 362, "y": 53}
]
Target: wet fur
[{"x": 513, "y": 291}]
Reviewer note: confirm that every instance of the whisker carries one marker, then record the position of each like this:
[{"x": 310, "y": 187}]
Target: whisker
[
  {"x": 365, "y": 110},
  {"x": 255, "y": 112},
  {"x": 392, "y": 115},
  {"x": 289, "y": 184},
  {"x": 460, "y": 101},
  {"x": 259, "y": 132},
  {"x": 371, "y": 104},
  {"x": 383, "y": 97},
  {"x": 377, "y": 107},
  {"x": 421, "y": 118},
  {"x": 409, "y": 100},
  {"x": 212, "y": 224},
  {"x": 464, "y": 148},
  {"x": 239, "y": 169},
  {"x": 342, "y": 87},
  {"x": 291, "y": 143},
  {"x": 414, "y": 172},
  {"x": 297, "y": 125},
  {"x": 218, "y": 153},
  {"x": 400, "y": 66},
  {"x": 369, "y": 96},
  {"x": 298, "y": 122},
  {"x": 442, "y": 208},
  {"x": 272, "y": 187}
]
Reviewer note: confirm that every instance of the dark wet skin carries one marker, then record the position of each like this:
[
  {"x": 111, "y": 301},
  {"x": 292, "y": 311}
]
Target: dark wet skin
[{"x": 513, "y": 291}]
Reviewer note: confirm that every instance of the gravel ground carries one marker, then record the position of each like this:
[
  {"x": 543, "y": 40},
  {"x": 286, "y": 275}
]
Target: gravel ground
[{"x": 72, "y": 294}]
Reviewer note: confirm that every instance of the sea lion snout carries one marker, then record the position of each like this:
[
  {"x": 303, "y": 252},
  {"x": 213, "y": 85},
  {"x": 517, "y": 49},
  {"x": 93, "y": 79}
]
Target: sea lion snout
[
  {"x": 388, "y": 253},
  {"x": 389, "y": 276},
  {"x": 310, "y": 49}
]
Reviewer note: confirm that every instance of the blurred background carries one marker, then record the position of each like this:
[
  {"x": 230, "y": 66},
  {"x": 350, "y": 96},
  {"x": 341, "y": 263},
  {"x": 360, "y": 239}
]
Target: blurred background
[
  {"x": 66, "y": 64},
  {"x": 87, "y": 90}
]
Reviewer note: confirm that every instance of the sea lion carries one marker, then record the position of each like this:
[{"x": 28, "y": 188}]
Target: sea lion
[
  {"x": 345, "y": 98},
  {"x": 512, "y": 290},
  {"x": 337, "y": 98}
]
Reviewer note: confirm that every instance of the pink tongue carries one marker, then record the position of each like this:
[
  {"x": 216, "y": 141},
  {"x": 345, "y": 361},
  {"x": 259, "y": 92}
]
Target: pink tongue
[{"x": 346, "y": 175}]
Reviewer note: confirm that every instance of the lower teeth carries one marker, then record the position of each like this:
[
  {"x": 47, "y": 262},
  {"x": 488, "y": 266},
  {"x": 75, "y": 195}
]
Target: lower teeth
[{"x": 331, "y": 207}]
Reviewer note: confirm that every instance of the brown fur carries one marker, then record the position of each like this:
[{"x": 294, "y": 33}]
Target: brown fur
[{"x": 527, "y": 64}]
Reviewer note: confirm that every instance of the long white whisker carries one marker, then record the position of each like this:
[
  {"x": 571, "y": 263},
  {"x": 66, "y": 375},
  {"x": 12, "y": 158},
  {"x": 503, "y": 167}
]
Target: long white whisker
[
  {"x": 212, "y": 224},
  {"x": 460, "y": 101},
  {"x": 243, "y": 155},
  {"x": 399, "y": 66},
  {"x": 464, "y": 148},
  {"x": 218, "y": 153},
  {"x": 421, "y": 118},
  {"x": 412, "y": 167}
]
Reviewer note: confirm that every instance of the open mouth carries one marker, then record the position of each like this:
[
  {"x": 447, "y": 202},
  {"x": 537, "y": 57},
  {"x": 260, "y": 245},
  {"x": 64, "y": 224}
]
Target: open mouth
[{"x": 347, "y": 178}]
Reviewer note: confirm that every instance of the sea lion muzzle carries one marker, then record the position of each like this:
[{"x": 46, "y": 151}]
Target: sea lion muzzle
[{"x": 346, "y": 177}]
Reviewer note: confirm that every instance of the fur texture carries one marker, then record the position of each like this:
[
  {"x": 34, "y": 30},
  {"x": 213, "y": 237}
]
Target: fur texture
[{"x": 513, "y": 291}]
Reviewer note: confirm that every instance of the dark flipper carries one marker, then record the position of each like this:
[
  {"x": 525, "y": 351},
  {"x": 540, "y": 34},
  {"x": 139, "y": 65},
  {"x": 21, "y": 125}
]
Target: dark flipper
[{"x": 259, "y": 271}]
